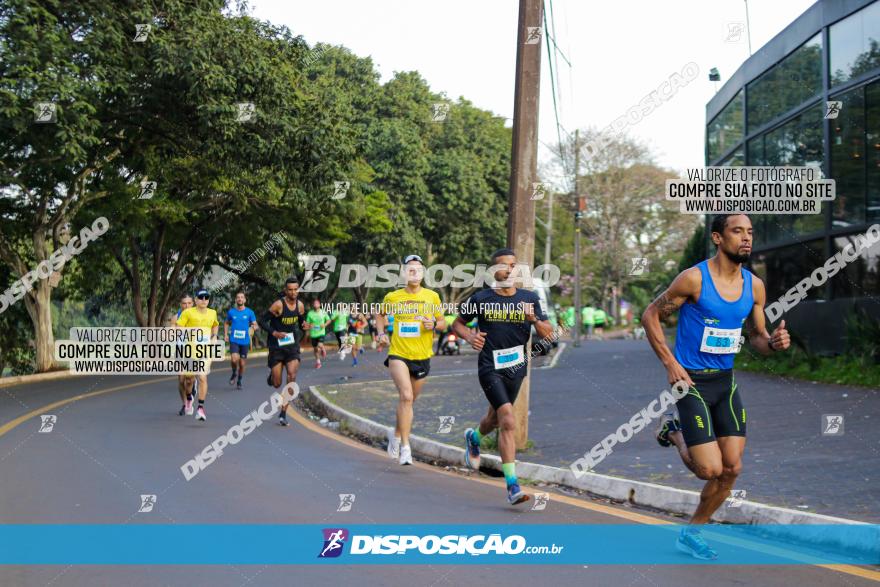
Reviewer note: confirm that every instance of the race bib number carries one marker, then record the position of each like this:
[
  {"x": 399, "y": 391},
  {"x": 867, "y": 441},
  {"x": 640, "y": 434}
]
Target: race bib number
[
  {"x": 288, "y": 339},
  {"x": 239, "y": 334},
  {"x": 505, "y": 358},
  {"x": 720, "y": 341},
  {"x": 410, "y": 329}
]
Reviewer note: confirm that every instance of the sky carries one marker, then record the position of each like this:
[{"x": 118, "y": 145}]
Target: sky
[{"x": 619, "y": 51}]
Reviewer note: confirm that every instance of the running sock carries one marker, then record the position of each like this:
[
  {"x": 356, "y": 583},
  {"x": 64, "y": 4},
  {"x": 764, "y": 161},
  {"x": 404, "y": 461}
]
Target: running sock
[
  {"x": 239, "y": 378},
  {"x": 189, "y": 397},
  {"x": 201, "y": 403},
  {"x": 233, "y": 374},
  {"x": 477, "y": 436},
  {"x": 509, "y": 473}
]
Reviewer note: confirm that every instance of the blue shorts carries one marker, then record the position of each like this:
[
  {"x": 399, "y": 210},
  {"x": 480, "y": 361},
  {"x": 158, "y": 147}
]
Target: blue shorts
[{"x": 239, "y": 349}]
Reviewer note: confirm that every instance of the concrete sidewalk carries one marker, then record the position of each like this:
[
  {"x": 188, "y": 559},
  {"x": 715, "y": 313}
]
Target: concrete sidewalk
[{"x": 595, "y": 388}]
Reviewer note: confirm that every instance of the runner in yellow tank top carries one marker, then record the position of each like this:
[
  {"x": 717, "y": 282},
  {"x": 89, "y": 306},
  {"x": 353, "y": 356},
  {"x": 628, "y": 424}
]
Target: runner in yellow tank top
[{"x": 417, "y": 313}]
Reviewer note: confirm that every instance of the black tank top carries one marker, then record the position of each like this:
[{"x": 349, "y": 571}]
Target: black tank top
[{"x": 288, "y": 321}]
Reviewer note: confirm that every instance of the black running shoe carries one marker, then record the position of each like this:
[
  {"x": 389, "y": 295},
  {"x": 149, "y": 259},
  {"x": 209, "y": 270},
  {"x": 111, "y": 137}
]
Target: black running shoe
[
  {"x": 182, "y": 410},
  {"x": 668, "y": 423},
  {"x": 283, "y": 419},
  {"x": 232, "y": 379},
  {"x": 238, "y": 385}
]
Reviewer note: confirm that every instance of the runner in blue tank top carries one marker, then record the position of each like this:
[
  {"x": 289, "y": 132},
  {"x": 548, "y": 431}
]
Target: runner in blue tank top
[{"x": 716, "y": 297}]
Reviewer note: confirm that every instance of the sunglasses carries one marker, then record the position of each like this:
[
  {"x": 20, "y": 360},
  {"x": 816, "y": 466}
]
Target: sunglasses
[{"x": 203, "y": 297}]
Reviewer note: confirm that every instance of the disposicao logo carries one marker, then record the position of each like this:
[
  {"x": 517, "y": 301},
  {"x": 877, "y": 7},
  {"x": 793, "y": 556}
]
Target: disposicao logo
[{"x": 334, "y": 540}]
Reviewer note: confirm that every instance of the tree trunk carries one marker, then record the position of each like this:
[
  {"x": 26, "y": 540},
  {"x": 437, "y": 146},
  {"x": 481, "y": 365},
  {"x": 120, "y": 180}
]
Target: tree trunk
[{"x": 39, "y": 306}]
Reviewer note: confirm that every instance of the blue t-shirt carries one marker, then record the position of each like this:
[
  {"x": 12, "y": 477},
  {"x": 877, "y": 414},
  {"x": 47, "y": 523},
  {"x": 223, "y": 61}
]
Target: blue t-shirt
[{"x": 240, "y": 322}]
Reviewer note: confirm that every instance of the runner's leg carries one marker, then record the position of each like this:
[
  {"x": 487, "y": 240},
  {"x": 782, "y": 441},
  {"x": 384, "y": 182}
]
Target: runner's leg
[
  {"x": 506, "y": 433},
  {"x": 292, "y": 367},
  {"x": 275, "y": 374},
  {"x": 731, "y": 449},
  {"x": 234, "y": 360},
  {"x": 708, "y": 466},
  {"x": 489, "y": 422},
  {"x": 403, "y": 382}
]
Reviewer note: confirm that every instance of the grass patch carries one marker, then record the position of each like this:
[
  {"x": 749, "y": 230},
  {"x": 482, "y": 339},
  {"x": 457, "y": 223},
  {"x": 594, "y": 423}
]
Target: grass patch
[
  {"x": 843, "y": 369},
  {"x": 490, "y": 442}
]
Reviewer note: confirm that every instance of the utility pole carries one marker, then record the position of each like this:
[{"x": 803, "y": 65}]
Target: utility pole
[
  {"x": 577, "y": 242},
  {"x": 548, "y": 242},
  {"x": 524, "y": 165}
]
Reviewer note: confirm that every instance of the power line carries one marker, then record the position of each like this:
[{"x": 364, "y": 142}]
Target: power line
[{"x": 552, "y": 81}]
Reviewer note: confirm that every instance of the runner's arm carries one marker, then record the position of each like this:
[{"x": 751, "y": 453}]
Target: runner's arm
[
  {"x": 684, "y": 287},
  {"x": 266, "y": 320},
  {"x": 473, "y": 338},
  {"x": 764, "y": 342}
]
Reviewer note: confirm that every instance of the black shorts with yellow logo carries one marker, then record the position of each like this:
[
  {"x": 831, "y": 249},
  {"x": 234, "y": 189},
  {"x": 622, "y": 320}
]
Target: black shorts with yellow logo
[{"x": 712, "y": 408}]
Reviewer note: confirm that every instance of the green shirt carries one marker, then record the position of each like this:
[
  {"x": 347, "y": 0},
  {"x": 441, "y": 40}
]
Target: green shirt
[
  {"x": 588, "y": 315},
  {"x": 340, "y": 321},
  {"x": 317, "y": 318},
  {"x": 600, "y": 316}
]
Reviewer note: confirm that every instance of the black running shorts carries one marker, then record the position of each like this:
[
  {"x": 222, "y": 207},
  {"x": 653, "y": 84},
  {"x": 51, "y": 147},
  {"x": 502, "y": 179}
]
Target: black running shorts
[
  {"x": 712, "y": 408},
  {"x": 417, "y": 369},
  {"x": 239, "y": 349},
  {"x": 499, "y": 389},
  {"x": 316, "y": 340},
  {"x": 283, "y": 354}
]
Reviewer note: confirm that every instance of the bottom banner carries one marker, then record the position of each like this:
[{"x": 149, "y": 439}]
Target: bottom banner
[{"x": 623, "y": 544}]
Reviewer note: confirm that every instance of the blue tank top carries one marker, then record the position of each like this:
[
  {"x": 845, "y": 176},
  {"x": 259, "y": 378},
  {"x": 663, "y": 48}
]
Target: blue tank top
[{"x": 709, "y": 330}]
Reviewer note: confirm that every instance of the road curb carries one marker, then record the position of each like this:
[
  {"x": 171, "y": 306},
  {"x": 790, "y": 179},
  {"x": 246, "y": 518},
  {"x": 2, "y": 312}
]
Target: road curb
[
  {"x": 651, "y": 495},
  {"x": 66, "y": 374}
]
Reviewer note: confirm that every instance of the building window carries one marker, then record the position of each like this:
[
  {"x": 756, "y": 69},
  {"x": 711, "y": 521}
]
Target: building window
[
  {"x": 860, "y": 278},
  {"x": 854, "y": 45},
  {"x": 872, "y": 146},
  {"x": 726, "y": 129},
  {"x": 735, "y": 159},
  {"x": 848, "y": 158},
  {"x": 791, "y": 82},
  {"x": 782, "y": 268},
  {"x": 798, "y": 142}
]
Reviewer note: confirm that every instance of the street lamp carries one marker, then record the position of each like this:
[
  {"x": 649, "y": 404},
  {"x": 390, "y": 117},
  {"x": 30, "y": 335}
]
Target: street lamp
[{"x": 714, "y": 76}]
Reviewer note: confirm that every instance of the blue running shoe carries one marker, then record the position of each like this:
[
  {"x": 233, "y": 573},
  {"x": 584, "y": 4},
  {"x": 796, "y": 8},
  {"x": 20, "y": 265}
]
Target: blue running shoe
[
  {"x": 691, "y": 542},
  {"x": 471, "y": 450},
  {"x": 515, "y": 495},
  {"x": 355, "y": 362},
  {"x": 668, "y": 423}
]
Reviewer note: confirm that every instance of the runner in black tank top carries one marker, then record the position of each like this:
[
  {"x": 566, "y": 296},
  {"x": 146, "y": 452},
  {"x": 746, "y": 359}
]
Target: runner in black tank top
[{"x": 282, "y": 324}]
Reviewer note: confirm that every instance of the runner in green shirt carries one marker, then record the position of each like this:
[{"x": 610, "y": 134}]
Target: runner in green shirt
[
  {"x": 599, "y": 319},
  {"x": 317, "y": 321},
  {"x": 340, "y": 325},
  {"x": 588, "y": 318},
  {"x": 568, "y": 317}
]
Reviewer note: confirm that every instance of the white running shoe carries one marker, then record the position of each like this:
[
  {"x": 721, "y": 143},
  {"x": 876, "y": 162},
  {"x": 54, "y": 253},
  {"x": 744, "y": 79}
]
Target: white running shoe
[
  {"x": 405, "y": 455},
  {"x": 393, "y": 446}
]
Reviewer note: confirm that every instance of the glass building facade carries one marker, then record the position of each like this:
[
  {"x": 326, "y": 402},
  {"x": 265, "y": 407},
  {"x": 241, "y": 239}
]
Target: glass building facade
[{"x": 778, "y": 109}]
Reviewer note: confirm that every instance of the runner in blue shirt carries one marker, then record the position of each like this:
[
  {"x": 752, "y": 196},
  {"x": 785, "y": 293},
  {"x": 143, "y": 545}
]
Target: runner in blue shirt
[
  {"x": 718, "y": 300},
  {"x": 242, "y": 320}
]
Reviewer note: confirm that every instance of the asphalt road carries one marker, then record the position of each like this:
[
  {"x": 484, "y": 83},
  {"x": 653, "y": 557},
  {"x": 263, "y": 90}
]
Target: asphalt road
[{"x": 109, "y": 448}]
